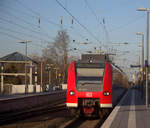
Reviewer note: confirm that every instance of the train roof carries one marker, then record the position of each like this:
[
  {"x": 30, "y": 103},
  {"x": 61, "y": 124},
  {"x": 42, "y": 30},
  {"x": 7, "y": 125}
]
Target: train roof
[
  {"x": 93, "y": 58},
  {"x": 97, "y": 60}
]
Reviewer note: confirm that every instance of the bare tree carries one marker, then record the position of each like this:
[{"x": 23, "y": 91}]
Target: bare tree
[{"x": 57, "y": 52}]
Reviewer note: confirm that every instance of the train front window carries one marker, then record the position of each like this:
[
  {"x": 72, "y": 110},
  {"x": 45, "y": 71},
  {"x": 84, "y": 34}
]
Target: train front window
[{"x": 89, "y": 79}]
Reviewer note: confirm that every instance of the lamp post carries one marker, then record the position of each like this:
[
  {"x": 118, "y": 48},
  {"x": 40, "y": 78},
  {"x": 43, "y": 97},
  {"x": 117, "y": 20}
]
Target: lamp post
[
  {"x": 142, "y": 63},
  {"x": 147, "y": 50},
  {"x": 25, "y": 42},
  {"x": 49, "y": 69},
  {"x": 56, "y": 73},
  {"x": 2, "y": 78}
]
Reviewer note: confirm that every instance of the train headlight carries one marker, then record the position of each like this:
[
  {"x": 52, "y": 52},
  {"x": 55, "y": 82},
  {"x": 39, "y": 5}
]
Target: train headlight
[
  {"x": 71, "y": 93},
  {"x": 106, "y": 93}
]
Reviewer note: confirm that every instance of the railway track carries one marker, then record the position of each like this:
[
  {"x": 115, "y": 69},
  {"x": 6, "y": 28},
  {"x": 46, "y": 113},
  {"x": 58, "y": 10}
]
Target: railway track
[
  {"x": 83, "y": 122},
  {"x": 88, "y": 122},
  {"x": 50, "y": 116},
  {"x": 7, "y": 118}
]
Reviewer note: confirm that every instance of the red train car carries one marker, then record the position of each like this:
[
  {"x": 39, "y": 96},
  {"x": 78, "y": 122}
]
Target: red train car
[{"x": 93, "y": 84}]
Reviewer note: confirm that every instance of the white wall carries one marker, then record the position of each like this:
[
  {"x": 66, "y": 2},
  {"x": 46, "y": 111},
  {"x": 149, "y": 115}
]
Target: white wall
[
  {"x": 20, "y": 89},
  {"x": 38, "y": 88},
  {"x": 64, "y": 86}
]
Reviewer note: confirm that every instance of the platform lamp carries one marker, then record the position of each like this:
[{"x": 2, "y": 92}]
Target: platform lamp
[
  {"x": 141, "y": 34},
  {"x": 147, "y": 51},
  {"x": 25, "y": 42}
]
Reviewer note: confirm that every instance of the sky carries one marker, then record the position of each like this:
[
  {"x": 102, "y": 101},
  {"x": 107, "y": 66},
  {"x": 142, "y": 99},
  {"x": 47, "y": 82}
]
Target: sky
[{"x": 100, "y": 23}]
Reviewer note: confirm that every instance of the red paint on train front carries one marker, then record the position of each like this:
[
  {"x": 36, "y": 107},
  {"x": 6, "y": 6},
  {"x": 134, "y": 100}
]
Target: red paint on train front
[
  {"x": 107, "y": 87},
  {"x": 71, "y": 84}
]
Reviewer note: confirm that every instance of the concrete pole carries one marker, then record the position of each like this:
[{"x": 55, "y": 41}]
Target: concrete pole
[
  {"x": 25, "y": 42},
  {"x": 26, "y": 86},
  {"x": 41, "y": 76},
  {"x": 142, "y": 64},
  {"x": 49, "y": 74},
  {"x": 31, "y": 66},
  {"x": 35, "y": 79},
  {"x": 2, "y": 79},
  {"x": 56, "y": 73},
  {"x": 147, "y": 58},
  {"x": 142, "y": 55}
]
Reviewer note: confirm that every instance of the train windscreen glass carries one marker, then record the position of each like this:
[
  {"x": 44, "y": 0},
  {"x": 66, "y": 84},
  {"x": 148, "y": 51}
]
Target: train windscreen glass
[{"x": 89, "y": 79}]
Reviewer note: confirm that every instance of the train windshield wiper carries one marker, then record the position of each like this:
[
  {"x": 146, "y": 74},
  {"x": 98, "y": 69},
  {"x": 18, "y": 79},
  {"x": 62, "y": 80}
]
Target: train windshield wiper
[{"x": 86, "y": 83}]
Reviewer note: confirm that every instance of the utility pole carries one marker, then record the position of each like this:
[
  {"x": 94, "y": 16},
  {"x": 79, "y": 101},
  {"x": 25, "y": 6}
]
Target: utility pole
[
  {"x": 2, "y": 77},
  {"x": 41, "y": 76},
  {"x": 142, "y": 61},
  {"x": 147, "y": 52},
  {"x": 26, "y": 85},
  {"x": 147, "y": 57},
  {"x": 50, "y": 76},
  {"x": 48, "y": 69}
]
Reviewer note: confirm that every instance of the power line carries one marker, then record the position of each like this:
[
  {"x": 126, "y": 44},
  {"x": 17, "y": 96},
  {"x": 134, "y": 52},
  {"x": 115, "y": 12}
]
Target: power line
[
  {"x": 18, "y": 18},
  {"x": 84, "y": 27},
  {"x": 36, "y": 13},
  {"x": 15, "y": 37},
  {"x": 11, "y": 22},
  {"x": 128, "y": 23},
  {"x": 103, "y": 25},
  {"x": 25, "y": 21},
  {"x": 22, "y": 33},
  {"x": 32, "y": 15},
  {"x": 96, "y": 17},
  {"x": 46, "y": 19},
  {"x": 12, "y": 36},
  {"x": 10, "y": 30},
  {"x": 92, "y": 11},
  {"x": 19, "y": 11},
  {"x": 106, "y": 33}
]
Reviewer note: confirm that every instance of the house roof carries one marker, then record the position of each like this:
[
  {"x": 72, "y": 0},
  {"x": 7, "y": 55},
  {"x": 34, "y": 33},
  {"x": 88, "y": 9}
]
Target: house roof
[{"x": 16, "y": 56}]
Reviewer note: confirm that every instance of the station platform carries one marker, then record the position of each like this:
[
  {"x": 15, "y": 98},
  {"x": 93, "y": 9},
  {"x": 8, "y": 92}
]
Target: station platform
[
  {"x": 131, "y": 112},
  {"x": 6, "y": 96},
  {"x": 14, "y": 96},
  {"x": 15, "y": 103}
]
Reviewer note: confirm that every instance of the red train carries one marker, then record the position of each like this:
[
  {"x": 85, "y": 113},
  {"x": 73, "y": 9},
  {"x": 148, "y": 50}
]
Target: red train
[{"x": 94, "y": 84}]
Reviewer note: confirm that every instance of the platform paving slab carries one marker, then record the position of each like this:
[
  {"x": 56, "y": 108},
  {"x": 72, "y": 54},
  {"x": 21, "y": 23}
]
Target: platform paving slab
[{"x": 130, "y": 112}]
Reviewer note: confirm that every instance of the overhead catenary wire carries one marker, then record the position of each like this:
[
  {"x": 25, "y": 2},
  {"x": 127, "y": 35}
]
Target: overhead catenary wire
[
  {"x": 36, "y": 26},
  {"x": 20, "y": 26},
  {"x": 37, "y": 14},
  {"x": 92, "y": 11},
  {"x": 94, "y": 14},
  {"x": 96, "y": 17},
  {"x": 19, "y": 39},
  {"x": 22, "y": 33},
  {"x": 29, "y": 23},
  {"x": 19, "y": 11},
  {"x": 127, "y": 23},
  {"x": 48, "y": 19},
  {"x": 21, "y": 19},
  {"x": 12, "y": 36},
  {"x": 84, "y": 27}
]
